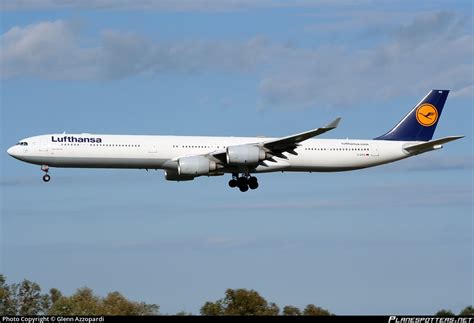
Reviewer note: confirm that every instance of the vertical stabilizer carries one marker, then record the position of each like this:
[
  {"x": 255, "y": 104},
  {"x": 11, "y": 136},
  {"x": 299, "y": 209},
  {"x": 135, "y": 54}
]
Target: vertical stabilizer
[{"x": 420, "y": 123}]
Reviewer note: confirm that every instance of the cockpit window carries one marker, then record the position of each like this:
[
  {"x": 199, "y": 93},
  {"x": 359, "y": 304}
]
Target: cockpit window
[{"x": 22, "y": 143}]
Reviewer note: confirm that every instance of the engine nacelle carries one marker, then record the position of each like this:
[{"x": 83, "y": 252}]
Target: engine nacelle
[
  {"x": 244, "y": 155},
  {"x": 172, "y": 175},
  {"x": 195, "y": 166}
]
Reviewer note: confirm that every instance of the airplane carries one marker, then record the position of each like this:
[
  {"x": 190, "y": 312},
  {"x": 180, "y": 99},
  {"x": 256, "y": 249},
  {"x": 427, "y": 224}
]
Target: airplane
[{"x": 184, "y": 158}]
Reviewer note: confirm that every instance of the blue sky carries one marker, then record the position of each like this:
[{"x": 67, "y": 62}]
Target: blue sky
[{"x": 392, "y": 239}]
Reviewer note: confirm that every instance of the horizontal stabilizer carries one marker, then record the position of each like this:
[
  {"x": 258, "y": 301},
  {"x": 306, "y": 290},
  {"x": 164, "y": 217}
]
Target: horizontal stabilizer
[{"x": 430, "y": 145}]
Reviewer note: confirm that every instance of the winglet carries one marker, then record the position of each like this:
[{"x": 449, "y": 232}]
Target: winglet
[{"x": 333, "y": 124}]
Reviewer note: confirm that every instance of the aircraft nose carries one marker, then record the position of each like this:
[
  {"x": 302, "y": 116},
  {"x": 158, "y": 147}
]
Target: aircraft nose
[{"x": 10, "y": 151}]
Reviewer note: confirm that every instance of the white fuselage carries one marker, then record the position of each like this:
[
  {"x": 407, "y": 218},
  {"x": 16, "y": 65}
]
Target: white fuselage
[{"x": 162, "y": 152}]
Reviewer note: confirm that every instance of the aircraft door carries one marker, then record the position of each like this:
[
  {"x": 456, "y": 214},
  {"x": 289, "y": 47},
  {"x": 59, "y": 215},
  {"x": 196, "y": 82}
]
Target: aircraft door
[
  {"x": 43, "y": 145},
  {"x": 152, "y": 149},
  {"x": 374, "y": 149}
]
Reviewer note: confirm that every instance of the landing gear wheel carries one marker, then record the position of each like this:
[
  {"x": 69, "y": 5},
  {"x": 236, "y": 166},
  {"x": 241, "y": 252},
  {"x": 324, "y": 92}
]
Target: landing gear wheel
[
  {"x": 233, "y": 183},
  {"x": 253, "y": 183},
  {"x": 253, "y": 186},
  {"x": 46, "y": 177},
  {"x": 243, "y": 188},
  {"x": 242, "y": 181}
]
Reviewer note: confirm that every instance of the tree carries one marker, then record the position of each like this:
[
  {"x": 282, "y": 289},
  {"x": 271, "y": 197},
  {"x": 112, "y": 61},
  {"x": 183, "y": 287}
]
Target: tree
[
  {"x": 7, "y": 304},
  {"x": 291, "y": 310},
  {"x": 54, "y": 295},
  {"x": 84, "y": 302},
  {"x": 314, "y": 310},
  {"x": 212, "y": 309},
  {"x": 272, "y": 309},
  {"x": 116, "y": 304},
  {"x": 23, "y": 298},
  {"x": 31, "y": 301},
  {"x": 444, "y": 312},
  {"x": 468, "y": 311},
  {"x": 240, "y": 302}
]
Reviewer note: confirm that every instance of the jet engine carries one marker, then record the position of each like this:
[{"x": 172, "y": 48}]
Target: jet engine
[
  {"x": 195, "y": 166},
  {"x": 172, "y": 175},
  {"x": 244, "y": 155}
]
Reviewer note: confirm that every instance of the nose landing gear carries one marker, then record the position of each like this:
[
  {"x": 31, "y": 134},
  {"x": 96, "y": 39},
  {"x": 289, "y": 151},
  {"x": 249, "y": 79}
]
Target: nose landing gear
[
  {"x": 243, "y": 182},
  {"x": 46, "y": 177}
]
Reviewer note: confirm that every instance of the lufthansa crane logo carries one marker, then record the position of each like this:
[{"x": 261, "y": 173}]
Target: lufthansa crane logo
[{"x": 426, "y": 115}]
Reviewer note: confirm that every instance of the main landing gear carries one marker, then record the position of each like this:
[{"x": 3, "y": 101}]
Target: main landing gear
[
  {"x": 46, "y": 177},
  {"x": 243, "y": 182}
]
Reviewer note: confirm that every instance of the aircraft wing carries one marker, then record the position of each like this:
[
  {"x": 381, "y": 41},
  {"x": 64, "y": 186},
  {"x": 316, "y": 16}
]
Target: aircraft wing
[
  {"x": 430, "y": 145},
  {"x": 219, "y": 156},
  {"x": 275, "y": 147},
  {"x": 291, "y": 142}
]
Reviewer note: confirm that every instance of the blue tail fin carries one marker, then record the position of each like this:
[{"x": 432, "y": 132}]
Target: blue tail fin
[{"x": 420, "y": 123}]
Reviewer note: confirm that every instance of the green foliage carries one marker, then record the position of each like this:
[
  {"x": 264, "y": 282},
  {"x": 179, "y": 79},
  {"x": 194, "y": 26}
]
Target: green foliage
[
  {"x": 54, "y": 295},
  {"x": 7, "y": 304},
  {"x": 468, "y": 311},
  {"x": 272, "y": 309},
  {"x": 212, "y": 309},
  {"x": 240, "y": 302},
  {"x": 84, "y": 302},
  {"x": 314, "y": 310},
  {"x": 291, "y": 311},
  {"x": 116, "y": 304},
  {"x": 249, "y": 302},
  {"x": 444, "y": 313},
  {"x": 25, "y": 298}
]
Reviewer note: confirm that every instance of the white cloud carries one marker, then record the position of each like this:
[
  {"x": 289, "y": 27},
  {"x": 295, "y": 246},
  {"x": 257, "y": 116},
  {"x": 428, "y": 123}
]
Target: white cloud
[
  {"x": 121, "y": 4},
  {"x": 434, "y": 50},
  {"x": 181, "y": 5},
  {"x": 46, "y": 50},
  {"x": 54, "y": 50},
  {"x": 467, "y": 91}
]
